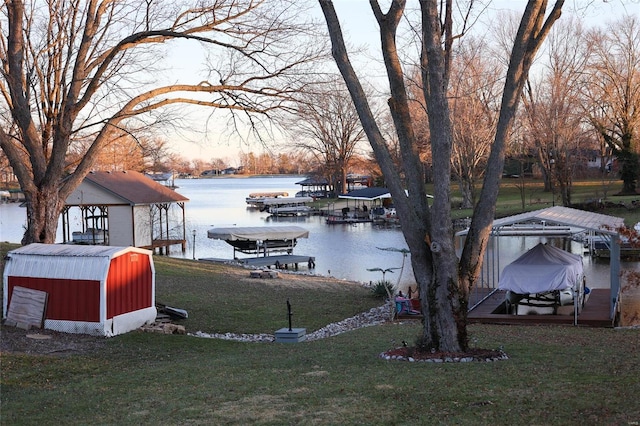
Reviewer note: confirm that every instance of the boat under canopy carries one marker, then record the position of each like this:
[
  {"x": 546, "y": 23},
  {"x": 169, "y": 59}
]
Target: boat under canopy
[
  {"x": 542, "y": 280},
  {"x": 288, "y": 206},
  {"x": 256, "y": 199},
  {"x": 260, "y": 239}
]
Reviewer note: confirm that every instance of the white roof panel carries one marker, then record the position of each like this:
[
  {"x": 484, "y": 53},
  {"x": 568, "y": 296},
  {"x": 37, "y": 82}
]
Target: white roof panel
[
  {"x": 64, "y": 261},
  {"x": 559, "y": 215},
  {"x": 258, "y": 233},
  {"x": 286, "y": 200}
]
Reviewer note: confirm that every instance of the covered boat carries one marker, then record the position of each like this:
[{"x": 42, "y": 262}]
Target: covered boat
[
  {"x": 260, "y": 239},
  {"x": 288, "y": 206},
  {"x": 543, "y": 279},
  {"x": 256, "y": 199}
]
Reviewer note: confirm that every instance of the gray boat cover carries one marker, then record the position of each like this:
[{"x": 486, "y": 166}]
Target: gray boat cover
[
  {"x": 541, "y": 269},
  {"x": 258, "y": 233},
  {"x": 286, "y": 200}
]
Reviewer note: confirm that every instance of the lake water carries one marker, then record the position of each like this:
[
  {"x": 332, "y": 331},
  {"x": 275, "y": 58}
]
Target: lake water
[{"x": 341, "y": 251}]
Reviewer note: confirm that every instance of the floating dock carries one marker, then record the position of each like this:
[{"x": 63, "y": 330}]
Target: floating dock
[{"x": 285, "y": 261}]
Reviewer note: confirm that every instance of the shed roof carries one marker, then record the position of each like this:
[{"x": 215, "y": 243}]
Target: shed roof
[
  {"x": 134, "y": 187},
  {"x": 567, "y": 216},
  {"x": 66, "y": 261}
]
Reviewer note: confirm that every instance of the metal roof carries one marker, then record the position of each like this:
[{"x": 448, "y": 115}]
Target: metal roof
[
  {"x": 367, "y": 194},
  {"x": 567, "y": 216},
  {"x": 65, "y": 261},
  {"x": 313, "y": 181},
  {"x": 258, "y": 233}
]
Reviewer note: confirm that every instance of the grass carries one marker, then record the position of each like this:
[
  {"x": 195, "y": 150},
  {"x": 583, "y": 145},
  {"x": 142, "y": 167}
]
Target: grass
[
  {"x": 221, "y": 298},
  {"x": 510, "y": 198},
  {"x": 555, "y": 375}
]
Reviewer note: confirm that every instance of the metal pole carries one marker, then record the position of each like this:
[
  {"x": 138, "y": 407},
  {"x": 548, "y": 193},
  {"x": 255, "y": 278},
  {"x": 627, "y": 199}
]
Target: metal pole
[{"x": 194, "y": 244}]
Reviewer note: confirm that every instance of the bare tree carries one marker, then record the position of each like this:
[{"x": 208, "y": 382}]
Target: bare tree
[
  {"x": 327, "y": 127},
  {"x": 474, "y": 102},
  {"x": 474, "y": 94},
  {"x": 88, "y": 69},
  {"x": 612, "y": 90},
  {"x": 553, "y": 113},
  {"x": 443, "y": 281}
]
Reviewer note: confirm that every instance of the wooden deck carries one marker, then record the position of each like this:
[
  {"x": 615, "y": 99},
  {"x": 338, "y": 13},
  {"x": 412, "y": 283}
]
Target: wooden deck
[
  {"x": 594, "y": 314},
  {"x": 163, "y": 245}
]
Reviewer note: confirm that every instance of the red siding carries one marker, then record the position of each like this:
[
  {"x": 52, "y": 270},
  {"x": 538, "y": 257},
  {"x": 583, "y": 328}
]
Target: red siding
[
  {"x": 74, "y": 300},
  {"x": 129, "y": 284}
]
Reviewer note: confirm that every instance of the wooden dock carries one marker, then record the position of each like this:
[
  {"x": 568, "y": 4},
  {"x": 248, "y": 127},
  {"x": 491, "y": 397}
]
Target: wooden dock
[
  {"x": 163, "y": 245},
  {"x": 339, "y": 220},
  {"x": 595, "y": 312},
  {"x": 285, "y": 261}
]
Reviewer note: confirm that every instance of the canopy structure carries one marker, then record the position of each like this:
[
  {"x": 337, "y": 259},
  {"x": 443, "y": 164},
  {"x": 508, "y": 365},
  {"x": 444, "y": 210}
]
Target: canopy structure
[
  {"x": 258, "y": 233},
  {"x": 558, "y": 215},
  {"x": 260, "y": 239},
  {"x": 283, "y": 201},
  {"x": 543, "y": 268},
  {"x": 367, "y": 194},
  {"x": 543, "y": 221}
]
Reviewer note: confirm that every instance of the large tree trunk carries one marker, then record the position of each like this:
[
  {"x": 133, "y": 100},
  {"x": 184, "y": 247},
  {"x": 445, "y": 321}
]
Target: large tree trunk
[
  {"x": 43, "y": 212},
  {"x": 443, "y": 283},
  {"x": 433, "y": 257},
  {"x": 446, "y": 300}
]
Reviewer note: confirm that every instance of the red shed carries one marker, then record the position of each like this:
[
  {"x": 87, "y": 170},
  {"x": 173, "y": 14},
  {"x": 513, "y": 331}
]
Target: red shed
[{"x": 98, "y": 290}]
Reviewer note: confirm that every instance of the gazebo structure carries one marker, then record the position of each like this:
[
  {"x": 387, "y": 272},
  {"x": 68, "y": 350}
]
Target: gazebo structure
[
  {"x": 126, "y": 208},
  {"x": 556, "y": 222},
  {"x": 316, "y": 187}
]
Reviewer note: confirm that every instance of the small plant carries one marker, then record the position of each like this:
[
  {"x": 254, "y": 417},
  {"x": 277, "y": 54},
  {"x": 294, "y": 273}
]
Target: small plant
[{"x": 382, "y": 289}]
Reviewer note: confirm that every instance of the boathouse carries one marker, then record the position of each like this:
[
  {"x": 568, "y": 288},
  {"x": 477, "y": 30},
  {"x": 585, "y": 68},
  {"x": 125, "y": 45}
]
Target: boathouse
[
  {"x": 90, "y": 289},
  {"x": 123, "y": 209},
  {"x": 551, "y": 222},
  {"x": 316, "y": 187},
  {"x": 263, "y": 242}
]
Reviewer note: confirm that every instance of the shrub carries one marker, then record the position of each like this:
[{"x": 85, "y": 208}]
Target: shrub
[{"x": 382, "y": 289}]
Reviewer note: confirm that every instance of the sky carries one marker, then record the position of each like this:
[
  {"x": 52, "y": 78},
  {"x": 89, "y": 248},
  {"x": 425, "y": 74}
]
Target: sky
[{"x": 360, "y": 29}]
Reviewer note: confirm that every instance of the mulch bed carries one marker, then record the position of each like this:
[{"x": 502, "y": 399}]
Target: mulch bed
[{"x": 411, "y": 354}]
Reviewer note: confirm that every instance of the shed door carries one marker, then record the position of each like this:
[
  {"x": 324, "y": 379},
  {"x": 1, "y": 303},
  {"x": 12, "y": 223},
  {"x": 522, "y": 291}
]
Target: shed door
[{"x": 129, "y": 284}]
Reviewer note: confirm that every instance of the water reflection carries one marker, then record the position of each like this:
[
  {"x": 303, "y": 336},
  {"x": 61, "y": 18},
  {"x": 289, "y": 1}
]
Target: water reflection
[{"x": 342, "y": 251}]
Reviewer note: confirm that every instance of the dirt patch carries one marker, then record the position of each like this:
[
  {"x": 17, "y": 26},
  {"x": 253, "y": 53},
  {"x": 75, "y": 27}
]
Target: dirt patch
[{"x": 47, "y": 342}]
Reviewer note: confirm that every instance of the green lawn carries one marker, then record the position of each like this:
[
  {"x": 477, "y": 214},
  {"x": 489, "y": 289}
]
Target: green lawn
[
  {"x": 554, "y": 375},
  {"x": 510, "y": 199},
  {"x": 558, "y": 375}
]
